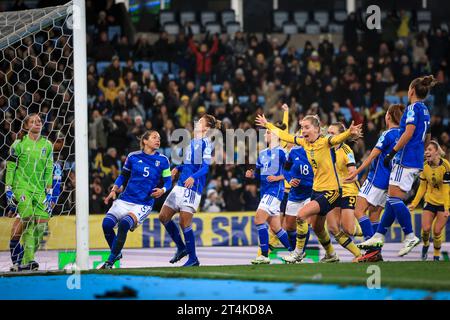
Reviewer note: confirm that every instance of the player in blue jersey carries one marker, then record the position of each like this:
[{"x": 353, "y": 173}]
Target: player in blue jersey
[
  {"x": 409, "y": 157},
  {"x": 298, "y": 172},
  {"x": 15, "y": 247},
  {"x": 186, "y": 195},
  {"x": 269, "y": 169},
  {"x": 372, "y": 194},
  {"x": 141, "y": 173}
]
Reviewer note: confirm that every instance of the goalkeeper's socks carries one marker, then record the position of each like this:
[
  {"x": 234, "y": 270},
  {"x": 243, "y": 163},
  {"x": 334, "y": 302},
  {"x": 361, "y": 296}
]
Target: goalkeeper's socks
[
  {"x": 124, "y": 226},
  {"x": 39, "y": 231},
  {"x": 263, "y": 234},
  {"x": 109, "y": 222},
  {"x": 16, "y": 250},
  {"x": 366, "y": 227},
  {"x": 292, "y": 235},
  {"x": 28, "y": 242},
  {"x": 174, "y": 233},
  {"x": 387, "y": 219},
  {"x": 190, "y": 242},
  {"x": 284, "y": 239}
]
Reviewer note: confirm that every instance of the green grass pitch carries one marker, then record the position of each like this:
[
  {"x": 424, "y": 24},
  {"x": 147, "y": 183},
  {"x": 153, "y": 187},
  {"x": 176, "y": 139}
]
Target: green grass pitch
[{"x": 433, "y": 276}]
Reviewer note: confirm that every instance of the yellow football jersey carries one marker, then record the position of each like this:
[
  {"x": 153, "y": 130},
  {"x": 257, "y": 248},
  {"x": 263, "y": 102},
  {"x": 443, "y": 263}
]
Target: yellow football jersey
[
  {"x": 284, "y": 144},
  {"x": 319, "y": 155},
  {"x": 434, "y": 184},
  {"x": 344, "y": 159}
]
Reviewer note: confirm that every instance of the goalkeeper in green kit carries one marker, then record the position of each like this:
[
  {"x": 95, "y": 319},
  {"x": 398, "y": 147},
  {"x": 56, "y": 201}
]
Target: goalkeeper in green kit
[{"x": 29, "y": 175}]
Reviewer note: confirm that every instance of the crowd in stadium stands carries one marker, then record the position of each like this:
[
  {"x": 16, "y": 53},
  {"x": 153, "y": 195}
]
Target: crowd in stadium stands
[{"x": 236, "y": 78}]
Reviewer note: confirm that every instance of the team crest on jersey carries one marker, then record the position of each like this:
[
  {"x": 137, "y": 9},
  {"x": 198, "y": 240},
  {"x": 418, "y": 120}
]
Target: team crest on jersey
[
  {"x": 22, "y": 198},
  {"x": 157, "y": 163},
  {"x": 44, "y": 151}
]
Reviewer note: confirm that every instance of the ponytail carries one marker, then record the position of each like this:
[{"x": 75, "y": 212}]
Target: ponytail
[
  {"x": 395, "y": 111},
  {"x": 212, "y": 122},
  {"x": 422, "y": 85}
]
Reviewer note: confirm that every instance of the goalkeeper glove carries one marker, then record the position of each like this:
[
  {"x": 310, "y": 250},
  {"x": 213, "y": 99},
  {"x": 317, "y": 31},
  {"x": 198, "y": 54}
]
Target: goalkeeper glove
[
  {"x": 48, "y": 201},
  {"x": 10, "y": 197},
  {"x": 387, "y": 160}
]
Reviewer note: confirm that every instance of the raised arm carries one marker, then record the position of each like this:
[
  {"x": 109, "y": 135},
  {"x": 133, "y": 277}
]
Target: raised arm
[
  {"x": 353, "y": 132},
  {"x": 262, "y": 121}
]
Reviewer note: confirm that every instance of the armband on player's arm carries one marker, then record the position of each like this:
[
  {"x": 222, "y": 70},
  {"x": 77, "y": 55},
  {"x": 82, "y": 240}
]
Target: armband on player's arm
[
  {"x": 167, "y": 178},
  {"x": 340, "y": 138},
  {"x": 446, "y": 190}
]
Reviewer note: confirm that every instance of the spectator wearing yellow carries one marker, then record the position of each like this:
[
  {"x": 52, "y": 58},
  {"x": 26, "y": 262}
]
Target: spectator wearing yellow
[
  {"x": 111, "y": 91},
  {"x": 184, "y": 112}
]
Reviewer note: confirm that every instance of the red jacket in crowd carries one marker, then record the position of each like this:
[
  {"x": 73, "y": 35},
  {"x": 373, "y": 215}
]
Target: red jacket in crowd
[{"x": 204, "y": 60}]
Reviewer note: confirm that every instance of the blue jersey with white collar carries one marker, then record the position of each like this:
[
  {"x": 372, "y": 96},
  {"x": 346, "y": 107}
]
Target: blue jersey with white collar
[
  {"x": 378, "y": 173},
  {"x": 196, "y": 162},
  {"x": 411, "y": 155},
  {"x": 145, "y": 172},
  {"x": 298, "y": 167},
  {"x": 270, "y": 162}
]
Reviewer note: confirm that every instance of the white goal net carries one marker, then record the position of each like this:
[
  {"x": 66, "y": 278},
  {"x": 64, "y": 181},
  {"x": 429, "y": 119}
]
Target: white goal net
[{"x": 37, "y": 78}]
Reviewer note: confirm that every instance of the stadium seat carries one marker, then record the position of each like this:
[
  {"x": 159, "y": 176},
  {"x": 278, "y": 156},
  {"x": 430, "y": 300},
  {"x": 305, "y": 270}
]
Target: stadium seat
[
  {"x": 213, "y": 27},
  {"x": 290, "y": 28},
  {"x": 166, "y": 16},
  {"x": 233, "y": 27},
  {"x": 141, "y": 65},
  {"x": 280, "y": 17},
  {"x": 187, "y": 16},
  {"x": 101, "y": 66},
  {"x": 423, "y": 16},
  {"x": 243, "y": 99},
  {"x": 346, "y": 113},
  {"x": 261, "y": 100},
  {"x": 114, "y": 31},
  {"x": 423, "y": 26},
  {"x": 227, "y": 16},
  {"x": 340, "y": 16},
  {"x": 322, "y": 18},
  {"x": 444, "y": 26},
  {"x": 217, "y": 88},
  {"x": 174, "y": 68},
  {"x": 171, "y": 28},
  {"x": 392, "y": 99},
  {"x": 312, "y": 27},
  {"x": 300, "y": 18},
  {"x": 207, "y": 16},
  {"x": 195, "y": 28},
  {"x": 160, "y": 67},
  {"x": 335, "y": 28}
]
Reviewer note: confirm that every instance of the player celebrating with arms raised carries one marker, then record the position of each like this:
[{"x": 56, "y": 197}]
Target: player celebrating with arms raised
[
  {"x": 29, "y": 177},
  {"x": 326, "y": 188},
  {"x": 408, "y": 153},
  {"x": 186, "y": 195},
  {"x": 142, "y": 170},
  {"x": 434, "y": 184},
  {"x": 269, "y": 166}
]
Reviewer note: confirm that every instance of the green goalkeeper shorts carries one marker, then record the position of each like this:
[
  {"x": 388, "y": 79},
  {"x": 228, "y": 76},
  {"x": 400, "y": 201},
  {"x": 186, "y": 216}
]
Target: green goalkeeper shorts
[{"x": 30, "y": 204}]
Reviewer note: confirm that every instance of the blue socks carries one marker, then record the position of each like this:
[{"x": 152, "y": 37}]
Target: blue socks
[
  {"x": 283, "y": 236},
  {"x": 402, "y": 213},
  {"x": 174, "y": 233},
  {"x": 366, "y": 227},
  {"x": 124, "y": 226},
  {"x": 292, "y": 235},
  {"x": 263, "y": 234},
  {"x": 109, "y": 222},
  {"x": 387, "y": 219},
  {"x": 16, "y": 250},
  {"x": 190, "y": 243},
  {"x": 375, "y": 226}
]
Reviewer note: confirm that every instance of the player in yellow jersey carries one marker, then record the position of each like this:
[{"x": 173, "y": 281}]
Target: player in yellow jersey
[
  {"x": 341, "y": 220},
  {"x": 434, "y": 184},
  {"x": 326, "y": 188}
]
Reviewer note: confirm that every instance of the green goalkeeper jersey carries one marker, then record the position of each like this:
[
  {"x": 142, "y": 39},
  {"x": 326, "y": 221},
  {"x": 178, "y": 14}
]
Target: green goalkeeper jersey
[{"x": 30, "y": 166}]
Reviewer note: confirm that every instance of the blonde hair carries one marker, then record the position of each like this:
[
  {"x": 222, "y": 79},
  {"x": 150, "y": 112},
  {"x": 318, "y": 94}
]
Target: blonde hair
[{"x": 438, "y": 148}]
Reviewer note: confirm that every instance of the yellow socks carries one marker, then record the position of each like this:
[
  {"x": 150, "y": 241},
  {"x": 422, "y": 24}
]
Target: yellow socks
[
  {"x": 302, "y": 233},
  {"x": 324, "y": 239},
  {"x": 437, "y": 242},
  {"x": 426, "y": 238},
  {"x": 345, "y": 241}
]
